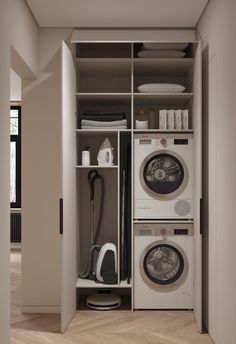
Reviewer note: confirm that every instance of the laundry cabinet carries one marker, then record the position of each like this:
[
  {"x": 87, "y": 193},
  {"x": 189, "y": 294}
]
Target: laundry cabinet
[{"x": 103, "y": 72}]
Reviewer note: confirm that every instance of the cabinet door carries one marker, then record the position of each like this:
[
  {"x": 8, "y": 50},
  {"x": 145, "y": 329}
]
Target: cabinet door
[
  {"x": 68, "y": 204},
  {"x": 197, "y": 110}
]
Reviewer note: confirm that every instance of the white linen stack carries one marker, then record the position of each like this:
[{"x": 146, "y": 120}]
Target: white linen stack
[
  {"x": 162, "y": 50},
  {"x": 89, "y": 124}
]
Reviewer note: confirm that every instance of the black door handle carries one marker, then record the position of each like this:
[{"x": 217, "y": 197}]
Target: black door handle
[
  {"x": 61, "y": 216},
  {"x": 201, "y": 216}
]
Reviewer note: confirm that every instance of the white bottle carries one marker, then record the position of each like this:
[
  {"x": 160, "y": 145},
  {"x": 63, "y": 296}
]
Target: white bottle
[
  {"x": 86, "y": 157},
  {"x": 170, "y": 119},
  {"x": 163, "y": 119},
  {"x": 178, "y": 119},
  {"x": 185, "y": 119}
]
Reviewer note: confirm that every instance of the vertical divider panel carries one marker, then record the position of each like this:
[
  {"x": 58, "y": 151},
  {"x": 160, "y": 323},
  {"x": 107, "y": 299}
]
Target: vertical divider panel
[
  {"x": 132, "y": 173},
  {"x": 197, "y": 107},
  {"x": 118, "y": 204}
]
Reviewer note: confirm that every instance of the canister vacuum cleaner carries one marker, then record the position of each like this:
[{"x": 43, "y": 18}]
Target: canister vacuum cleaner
[{"x": 100, "y": 256}]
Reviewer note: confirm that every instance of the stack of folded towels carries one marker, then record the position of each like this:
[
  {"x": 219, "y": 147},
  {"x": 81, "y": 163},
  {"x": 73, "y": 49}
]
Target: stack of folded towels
[
  {"x": 103, "y": 120},
  {"x": 164, "y": 50}
]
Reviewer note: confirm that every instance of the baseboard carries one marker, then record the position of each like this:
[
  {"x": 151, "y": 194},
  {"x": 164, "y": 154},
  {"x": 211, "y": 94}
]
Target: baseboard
[{"x": 40, "y": 309}]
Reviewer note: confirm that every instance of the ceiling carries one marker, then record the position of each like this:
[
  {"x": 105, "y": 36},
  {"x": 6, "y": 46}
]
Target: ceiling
[{"x": 117, "y": 13}]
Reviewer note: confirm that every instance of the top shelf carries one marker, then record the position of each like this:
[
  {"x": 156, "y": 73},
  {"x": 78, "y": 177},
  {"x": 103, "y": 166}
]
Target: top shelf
[{"x": 119, "y": 50}]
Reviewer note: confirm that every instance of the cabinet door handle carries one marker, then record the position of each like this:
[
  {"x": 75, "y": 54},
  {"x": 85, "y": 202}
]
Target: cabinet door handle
[
  {"x": 61, "y": 215},
  {"x": 201, "y": 216}
]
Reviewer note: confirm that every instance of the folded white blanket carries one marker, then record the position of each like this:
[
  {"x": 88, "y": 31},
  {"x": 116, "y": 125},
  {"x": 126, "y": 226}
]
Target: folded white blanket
[
  {"x": 99, "y": 124},
  {"x": 94, "y": 127},
  {"x": 161, "y": 88}
]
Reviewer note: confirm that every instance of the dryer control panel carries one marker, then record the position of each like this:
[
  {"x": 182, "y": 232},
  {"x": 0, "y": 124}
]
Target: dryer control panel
[
  {"x": 164, "y": 140},
  {"x": 163, "y": 229}
]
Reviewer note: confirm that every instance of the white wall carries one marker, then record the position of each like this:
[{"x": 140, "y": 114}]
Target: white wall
[
  {"x": 13, "y": 17},
  {"x": 24, "y": 39},
  {"x": 15, "y": 87},
  {"x": 217, "y": 28},
  {"x": 41, "y": 178},
  {"x": 5, "y": 178}
]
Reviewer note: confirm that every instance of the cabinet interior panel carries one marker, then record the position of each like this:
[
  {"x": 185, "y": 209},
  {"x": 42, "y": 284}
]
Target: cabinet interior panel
[
  {"x": 152, "y": 106},
  {"x": 104, "y": 77},
  {"x": 94, "y": 140},
  {"x": 101, "y": 50},
  {"x": 104, "y": 104},
  {"x": 109, "y": 225}
]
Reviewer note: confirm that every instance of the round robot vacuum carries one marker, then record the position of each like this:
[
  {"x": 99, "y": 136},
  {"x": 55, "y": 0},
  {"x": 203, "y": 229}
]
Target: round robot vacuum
[{"x": 103, "y": 302}]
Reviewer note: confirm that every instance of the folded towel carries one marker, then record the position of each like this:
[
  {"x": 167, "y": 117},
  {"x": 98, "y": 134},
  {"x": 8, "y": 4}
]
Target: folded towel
[
  {"x": 104, "y": 113},
  {"x": 94, "y": 127},
  {"x": 112, "y": 124},
  {"x": 103, "y": 118}
]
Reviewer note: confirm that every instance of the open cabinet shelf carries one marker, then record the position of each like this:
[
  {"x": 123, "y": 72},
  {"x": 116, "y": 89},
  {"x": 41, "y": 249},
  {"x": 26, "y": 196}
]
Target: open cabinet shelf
[
  {"x": 82, "y": 283},
  {"x": 107, "y": 77}
]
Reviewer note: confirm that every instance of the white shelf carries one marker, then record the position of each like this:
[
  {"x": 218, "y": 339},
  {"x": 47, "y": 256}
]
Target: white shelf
[
  {"x": 85, "y": 283},
  {"x": 162, "y": 131},
  {"x": 164, "y": 221},
  {"x": 169, "y": 99},
  {"x": 101, "y": 130},
  {"x": 96, "y": 166},
  {"x": 102, "y": 94},
  {"x": 101, "y": 60},
  {"x": 101, "y": 66}
]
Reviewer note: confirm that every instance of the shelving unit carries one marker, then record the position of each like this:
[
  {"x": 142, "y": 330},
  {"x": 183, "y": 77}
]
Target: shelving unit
[{"x": 108, "y": 75}]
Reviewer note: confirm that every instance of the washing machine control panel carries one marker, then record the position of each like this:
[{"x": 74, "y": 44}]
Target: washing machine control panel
[
  {"x": 163, "y": 229},
  {"x": 164, "y": 140}
]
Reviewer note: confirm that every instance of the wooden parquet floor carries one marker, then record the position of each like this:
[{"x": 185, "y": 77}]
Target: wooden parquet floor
[{"x": 93, "y": 327}]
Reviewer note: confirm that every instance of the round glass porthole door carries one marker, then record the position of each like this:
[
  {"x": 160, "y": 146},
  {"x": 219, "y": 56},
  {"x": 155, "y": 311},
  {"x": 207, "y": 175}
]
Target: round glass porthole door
[
  {"x": 163, "y": 175},
  {"x": 164, "y": 266}
]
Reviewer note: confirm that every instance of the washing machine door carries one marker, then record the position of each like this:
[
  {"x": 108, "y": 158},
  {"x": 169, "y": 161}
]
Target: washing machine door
[
  {"x": 164, "y": 266},
  {"x": 163, "y": 175}
]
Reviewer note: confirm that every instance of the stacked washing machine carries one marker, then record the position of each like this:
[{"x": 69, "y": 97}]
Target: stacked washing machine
[{"x": 163, "y": 213}]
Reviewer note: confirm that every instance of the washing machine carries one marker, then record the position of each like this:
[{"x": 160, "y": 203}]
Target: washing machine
[
  {"x": 163, "y": 266},
  {"x": 163, "y": 176}
]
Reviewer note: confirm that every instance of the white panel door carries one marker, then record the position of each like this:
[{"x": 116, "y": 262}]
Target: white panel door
[
  {"x": 197, "y": 113},
  {"x": 68, "y": 204}
]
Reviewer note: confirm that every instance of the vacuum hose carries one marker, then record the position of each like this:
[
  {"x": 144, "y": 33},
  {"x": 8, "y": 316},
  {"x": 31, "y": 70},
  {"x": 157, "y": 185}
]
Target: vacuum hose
[{"x": 93, "y": 175}]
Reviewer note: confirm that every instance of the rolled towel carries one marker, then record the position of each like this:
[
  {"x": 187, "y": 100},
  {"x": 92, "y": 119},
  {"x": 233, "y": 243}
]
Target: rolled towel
[{"x": 161, "y": 88}]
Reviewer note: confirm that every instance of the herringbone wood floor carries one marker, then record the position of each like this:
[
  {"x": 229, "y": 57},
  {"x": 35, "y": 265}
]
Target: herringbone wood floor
[{"x": 93, "y": 327}]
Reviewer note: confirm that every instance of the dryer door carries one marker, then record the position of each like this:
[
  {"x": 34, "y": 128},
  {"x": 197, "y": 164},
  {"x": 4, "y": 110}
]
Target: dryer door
[
  {"x": 164, "y": 266},
  {"x": 163, "y": 175}
]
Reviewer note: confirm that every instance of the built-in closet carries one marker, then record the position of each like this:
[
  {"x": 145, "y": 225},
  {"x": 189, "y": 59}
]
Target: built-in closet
[{"x": 101, "y": 72}]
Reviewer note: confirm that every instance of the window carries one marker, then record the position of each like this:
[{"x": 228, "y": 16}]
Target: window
[{"x": 15, "y": 156}]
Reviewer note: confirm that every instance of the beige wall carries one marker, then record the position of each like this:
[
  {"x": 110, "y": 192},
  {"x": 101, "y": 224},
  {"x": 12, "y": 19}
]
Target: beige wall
[
  {"x": 17, "y": 27},
  {"x": 41, "y": 178},
  {"x": 24, "y": 39},
  {"x": 217, "y": 28},
  {"x": 4, "y": 180}
]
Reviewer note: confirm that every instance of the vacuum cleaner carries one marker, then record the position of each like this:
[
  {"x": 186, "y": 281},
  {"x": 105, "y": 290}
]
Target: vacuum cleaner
[{"x": 106, "y": 254}]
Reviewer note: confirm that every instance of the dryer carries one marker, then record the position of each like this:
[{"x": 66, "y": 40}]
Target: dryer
[
  {"x": 163, "y": 266},
  {"x": 163, "y": 176}
]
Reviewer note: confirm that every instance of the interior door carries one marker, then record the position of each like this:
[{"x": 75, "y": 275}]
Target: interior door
[
  {"x": 197, "y": 111},
  {"x": 68, "y": 201}
]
